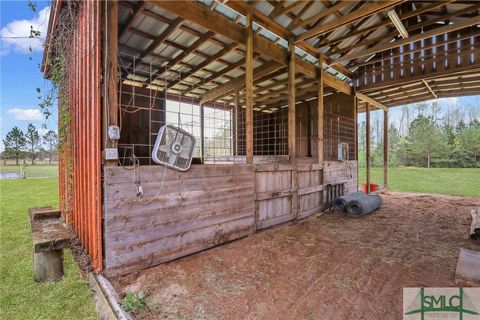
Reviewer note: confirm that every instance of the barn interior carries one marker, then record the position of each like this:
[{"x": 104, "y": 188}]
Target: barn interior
[{"x": 270, "y": 90}]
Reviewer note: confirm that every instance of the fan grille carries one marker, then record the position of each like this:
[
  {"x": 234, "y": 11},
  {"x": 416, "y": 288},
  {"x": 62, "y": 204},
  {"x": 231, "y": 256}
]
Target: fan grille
[{"x": 174, "y": 148}]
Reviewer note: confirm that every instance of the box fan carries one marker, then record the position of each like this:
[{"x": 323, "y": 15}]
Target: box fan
[{"x": 174, "y": 148}]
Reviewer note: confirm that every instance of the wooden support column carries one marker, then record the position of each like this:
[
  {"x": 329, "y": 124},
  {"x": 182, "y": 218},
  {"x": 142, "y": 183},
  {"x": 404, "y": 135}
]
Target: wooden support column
[
  {"x": 291, "y": 102},
  {"x": 249, "y": 88},
  {"x": 202, "y": 132},
  {"x": 235, "y": 117},
  {"x": 355, "y": 117},
  {"x": 112, "y": 106},
  {"x": 385, "y": 149},
  {"x": 320, "y": 111},
  {"x": 367, "y": 147}
]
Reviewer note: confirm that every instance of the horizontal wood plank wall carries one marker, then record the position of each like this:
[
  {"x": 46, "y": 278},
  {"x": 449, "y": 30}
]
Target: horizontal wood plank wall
[
  {"x": 336, "y": 172},
  {"x": 203, "y": 207}
]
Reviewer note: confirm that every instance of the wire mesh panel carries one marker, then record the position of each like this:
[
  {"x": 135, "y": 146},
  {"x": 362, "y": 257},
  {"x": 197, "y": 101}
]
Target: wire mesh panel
[{"x": 338, "y": 131}]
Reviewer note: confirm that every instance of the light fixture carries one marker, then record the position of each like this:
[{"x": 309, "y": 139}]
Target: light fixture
[{"x": 398, "y": 23}]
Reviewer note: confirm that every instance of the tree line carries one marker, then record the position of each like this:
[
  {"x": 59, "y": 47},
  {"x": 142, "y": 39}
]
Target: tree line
[
  {"x": 19, "y": 145},
  {"x": 426, "y": 135}
]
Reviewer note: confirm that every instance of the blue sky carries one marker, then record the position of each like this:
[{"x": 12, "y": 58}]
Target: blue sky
[{"x": 20, "y": 76}]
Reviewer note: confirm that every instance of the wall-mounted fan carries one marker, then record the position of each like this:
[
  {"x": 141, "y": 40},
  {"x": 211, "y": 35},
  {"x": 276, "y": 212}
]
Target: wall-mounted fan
[{"x": 174, "y": 148}]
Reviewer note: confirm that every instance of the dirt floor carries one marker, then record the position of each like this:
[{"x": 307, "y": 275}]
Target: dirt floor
[{"x": 325, "y": 267}]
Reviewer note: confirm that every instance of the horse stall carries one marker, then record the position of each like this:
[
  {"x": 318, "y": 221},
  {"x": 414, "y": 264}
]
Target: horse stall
[{"x": 220, "y": 198}]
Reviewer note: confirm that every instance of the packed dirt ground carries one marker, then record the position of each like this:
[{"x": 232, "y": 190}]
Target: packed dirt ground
[{"x": 325, "y": 267}]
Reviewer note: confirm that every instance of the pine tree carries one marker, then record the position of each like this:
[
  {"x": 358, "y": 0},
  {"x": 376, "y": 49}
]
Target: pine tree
[
  {"x": 50, "y": 139},
  {"x": 14, "y": 144},
  {"x": 33, "y": 141}
]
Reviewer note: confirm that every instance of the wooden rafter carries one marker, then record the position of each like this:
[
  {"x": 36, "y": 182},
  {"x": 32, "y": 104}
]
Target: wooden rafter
[
  {"x": 210, "y": 60},
  {"x": 384, "y": 22},
  {"x": 136, "y": 10},
  {"x": 217, "y": 23},
  {"x": 371, "y": 101},
  {"x": 413, "y": 38},
  {"x": 165, "y": 34},
  {"x": 347, "y": 19}
]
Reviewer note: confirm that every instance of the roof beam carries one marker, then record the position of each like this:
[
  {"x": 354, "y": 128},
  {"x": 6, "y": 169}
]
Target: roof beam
[
  {"x": 165, "y": 34},
  {"x": 337, "y": 6},
  {"x": 414, "y": 38},
  {"x": 271, "y": 25},
  {"x": 239, "y": 82},
  {"x": 385, "y": 22},
  {"x": 138, "y": 9},
  {"x": 209, "y": 60},
  {"x": 429, "y": 88},
  {"x": 366, "y": 10},
  {"x": 367, "y": 99},
  {"x": 203, "y": 16}
]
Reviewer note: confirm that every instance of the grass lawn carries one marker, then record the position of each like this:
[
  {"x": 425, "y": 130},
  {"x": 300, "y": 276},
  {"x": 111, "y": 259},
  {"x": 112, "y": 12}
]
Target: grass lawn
[
  {"x": 451, "y": 181},
  {"x": 20, "y": 296},
  {"x": 36, "y": 171}
]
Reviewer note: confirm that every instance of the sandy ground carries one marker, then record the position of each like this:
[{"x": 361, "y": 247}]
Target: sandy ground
[{"x": 325, "y": 267}]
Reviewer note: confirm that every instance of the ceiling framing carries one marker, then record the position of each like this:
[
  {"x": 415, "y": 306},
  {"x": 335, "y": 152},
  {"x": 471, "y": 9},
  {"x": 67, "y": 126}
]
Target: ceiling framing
[{"x": 197, "y": 49}]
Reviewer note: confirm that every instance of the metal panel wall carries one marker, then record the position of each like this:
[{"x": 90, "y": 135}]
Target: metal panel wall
[{"x": 80, "y": 155}]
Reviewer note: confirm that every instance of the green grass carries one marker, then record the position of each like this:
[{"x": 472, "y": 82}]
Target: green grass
[
  {"x": 451, "y": 181},
  {"x": 36, "y": 171},
  {"x": 20, "y": 296}
]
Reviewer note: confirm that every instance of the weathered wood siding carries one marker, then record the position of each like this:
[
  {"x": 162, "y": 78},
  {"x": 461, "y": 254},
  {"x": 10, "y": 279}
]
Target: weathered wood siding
[
  {"x": 340, "y": 172},
  {"x": 197, "y": 209},
  {"x": 274, "y": 192},
  {"x": 310, "y": 186}
]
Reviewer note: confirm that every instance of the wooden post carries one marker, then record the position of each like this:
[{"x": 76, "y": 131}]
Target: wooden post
[
  {"x": 202, "y": 132},
  {"x": 320, "y": 110},
  {"x": 355, "y": 132},
  {"x": 385, "y": 149},
  {"x": 235, "y": 116},
  {"x": 291, "y": 102},
  {"x": 112, "y": 50},
  {"x": 367, "y": 147},
  {"x": 249, "y": 88}
]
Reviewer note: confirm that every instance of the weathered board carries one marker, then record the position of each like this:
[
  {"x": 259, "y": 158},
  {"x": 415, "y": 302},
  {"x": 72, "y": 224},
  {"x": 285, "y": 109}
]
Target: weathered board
[
  {"x": 340, "y": 172},
  {"x": 274, "y": 200},
  {"x": 203, "y": 207},
  {"x": 310, "y": 186}
]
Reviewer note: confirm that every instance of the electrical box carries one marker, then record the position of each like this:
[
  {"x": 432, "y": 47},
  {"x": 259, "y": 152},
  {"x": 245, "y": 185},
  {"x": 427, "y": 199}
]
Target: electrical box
[
  {"x": 342, "y": 151},
  {"x": 111, "y": 154},
  {"x": 114, "y": 132}
]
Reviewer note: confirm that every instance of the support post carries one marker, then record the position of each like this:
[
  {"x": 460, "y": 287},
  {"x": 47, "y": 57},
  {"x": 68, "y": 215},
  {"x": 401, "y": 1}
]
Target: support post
[
  {"x": 320, "y": 111},
  {"x": 249, "y": 88},
  {"x": 235, "y": 116},
  {"x": 355, "y": 132},
  {"x": 367, "y": 147},
  {"x": 291, "y": 102},
  {"x": 112, "y": 106},
  {"x": 385, "y": 149},
  {"x": 202, "y": 132}
]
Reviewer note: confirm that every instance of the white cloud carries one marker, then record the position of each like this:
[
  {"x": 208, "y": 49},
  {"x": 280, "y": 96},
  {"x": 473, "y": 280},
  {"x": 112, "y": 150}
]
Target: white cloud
[
  {"x": 25, "y": 114},
  {"x": 15, "y": 34}
]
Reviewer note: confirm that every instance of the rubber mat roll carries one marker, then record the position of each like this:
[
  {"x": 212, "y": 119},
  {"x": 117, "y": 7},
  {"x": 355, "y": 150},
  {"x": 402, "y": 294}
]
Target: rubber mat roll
[
  {"x": 364, "y": 205},
  {"x": 340, "y": 203}
]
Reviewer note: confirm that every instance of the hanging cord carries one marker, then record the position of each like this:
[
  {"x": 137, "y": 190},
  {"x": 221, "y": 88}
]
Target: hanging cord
[{"x": 138, "y": 184}]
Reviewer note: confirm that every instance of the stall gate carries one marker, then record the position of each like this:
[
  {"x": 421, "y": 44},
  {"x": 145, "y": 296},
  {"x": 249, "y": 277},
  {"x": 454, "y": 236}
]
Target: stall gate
[{"x": 284, "y": 192}]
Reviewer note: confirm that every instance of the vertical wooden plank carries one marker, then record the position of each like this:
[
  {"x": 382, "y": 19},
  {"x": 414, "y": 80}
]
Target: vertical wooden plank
[
  {"x": 320, "y": 115},
  {"x": 235, "y": 116},
  {"x": 291, "y": 102},
  {"x": 355, "y": 132},
  {"x": 112, "y": 72},
  {"x": 367, "y": 147},
  {"x": 385, "y": 149},
  {"x": 249, "y": 88},
  {"x": 202, "y": 132}
]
